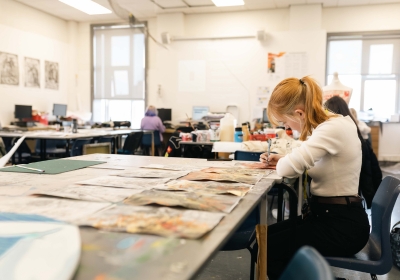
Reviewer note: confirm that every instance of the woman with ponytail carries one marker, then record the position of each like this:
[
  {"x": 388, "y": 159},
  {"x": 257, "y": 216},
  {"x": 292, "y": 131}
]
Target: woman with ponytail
[{"x": 336, "y": 224}]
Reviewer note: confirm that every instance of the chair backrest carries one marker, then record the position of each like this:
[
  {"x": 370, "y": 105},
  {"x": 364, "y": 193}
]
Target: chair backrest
[
  {"x": 247, "y": 155},
  {"x": 77, "y": 145},
  {"x": 133, "y": 141},
  {"x": 96, "y": 148},
  {"x": 51, "y": 144},
  {"x": 381, "y": 212},
  {"x": 308, "y": 264},
  {"x": 146, "y": 140}
]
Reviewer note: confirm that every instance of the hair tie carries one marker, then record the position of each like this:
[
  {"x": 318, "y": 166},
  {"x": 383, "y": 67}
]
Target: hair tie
[{"x": 302, "y": 82}]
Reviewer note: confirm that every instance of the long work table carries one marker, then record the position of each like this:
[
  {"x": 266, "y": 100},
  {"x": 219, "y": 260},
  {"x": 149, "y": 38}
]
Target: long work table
[{"x": 113, "y": 255}]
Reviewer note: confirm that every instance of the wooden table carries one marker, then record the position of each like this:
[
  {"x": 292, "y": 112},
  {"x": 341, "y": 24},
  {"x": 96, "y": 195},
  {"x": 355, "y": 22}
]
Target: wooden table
[{"x": 105, "y": 254}]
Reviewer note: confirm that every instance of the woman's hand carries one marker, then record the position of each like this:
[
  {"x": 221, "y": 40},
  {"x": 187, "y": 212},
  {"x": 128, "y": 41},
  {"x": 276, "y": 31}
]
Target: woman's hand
[{"x": 272, "y": 159}]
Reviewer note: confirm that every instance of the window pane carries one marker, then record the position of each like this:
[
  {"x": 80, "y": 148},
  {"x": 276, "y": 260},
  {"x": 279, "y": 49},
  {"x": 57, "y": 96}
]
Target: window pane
[
  {"x": 99, "y": 110},
  {"x": 380, "y": 59},
  {"x": 354, "y": 82},
  {"x": 120, "y": 51},
  {"x": 119, "y": 110},
  {"x": 380, "y": 95},
  {"x": 121, "y": 83},
  {"x": 137, "y": 113},
  {"x": 139, "y": 65},
  {"x": 345, "y": 57}
]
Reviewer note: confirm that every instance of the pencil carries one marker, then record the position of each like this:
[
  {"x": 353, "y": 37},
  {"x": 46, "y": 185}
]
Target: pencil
[
  {"x": 269, "y": 147},
  {"x": 34, "y": 169}
]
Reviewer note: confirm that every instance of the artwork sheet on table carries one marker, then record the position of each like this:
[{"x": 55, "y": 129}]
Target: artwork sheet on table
[
  {"x": 89, "y": 193},
  {"x": 173, "y": 167},
  {"x": 60, "y": 209},
  {"x": 150, "y": 173},
  {"x": 191, "y": 200},
  {"x": 161, "y": 221},
  {"x": 208, "y": 187},
  {"x": 14, "y": 190},
  {"x": 254, "y": 165},
  {"x": 228, "y": 177},
  {"x": 123, "y": 182},
  {"x": 235, "y": 170}
]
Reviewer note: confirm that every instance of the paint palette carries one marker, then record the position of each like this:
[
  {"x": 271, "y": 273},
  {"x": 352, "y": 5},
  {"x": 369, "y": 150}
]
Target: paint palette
[{"x": 35, "y": 247}]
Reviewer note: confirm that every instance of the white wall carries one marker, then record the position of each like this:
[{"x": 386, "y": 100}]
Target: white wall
[{"x": 30, "y": 33}]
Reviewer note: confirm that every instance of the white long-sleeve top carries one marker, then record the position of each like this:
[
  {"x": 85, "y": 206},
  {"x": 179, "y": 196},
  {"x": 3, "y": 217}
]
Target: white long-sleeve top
[
  {"x": 364, "y": 129},
  {"x": 332, "y": 156}
]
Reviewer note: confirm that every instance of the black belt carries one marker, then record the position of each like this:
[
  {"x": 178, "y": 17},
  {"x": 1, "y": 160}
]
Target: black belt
[{"x": 336, "y": 199}]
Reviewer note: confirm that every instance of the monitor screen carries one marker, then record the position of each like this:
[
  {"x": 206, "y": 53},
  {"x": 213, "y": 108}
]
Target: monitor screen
[
  {"x": 265, "y": 116},
  {"x": 199, "y": 112},
  {"x": 23, "y": 111},
  {"x": 60, "y": 110},
  {"x": 165, "y": 114}
]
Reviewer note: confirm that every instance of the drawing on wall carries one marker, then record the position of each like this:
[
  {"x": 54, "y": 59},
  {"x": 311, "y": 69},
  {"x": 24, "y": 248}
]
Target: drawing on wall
[
  {"x": 32, "y": 72},
  {"x": 51, "y": 74},
  {"x": 9, "y": 71}
]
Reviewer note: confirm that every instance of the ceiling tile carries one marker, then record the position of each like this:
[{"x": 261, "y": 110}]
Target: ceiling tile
[
  {"x": 287, "y": 3},
  {"x": 193, "y": 3},
  {"x": 325, "y": 3},
  {"x": 171, "y": 3}
]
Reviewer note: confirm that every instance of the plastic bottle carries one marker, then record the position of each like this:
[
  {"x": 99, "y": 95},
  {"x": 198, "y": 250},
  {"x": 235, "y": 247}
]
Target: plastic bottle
[
  {"x": 245, "y": 131},
  {"x": 238, "y": 134},
  {"x": 227, "y": 128}
]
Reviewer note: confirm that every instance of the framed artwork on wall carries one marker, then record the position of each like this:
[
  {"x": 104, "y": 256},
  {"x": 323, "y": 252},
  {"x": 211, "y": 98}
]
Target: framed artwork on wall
[
  {"x": 9, "y": 70},
  {"x": 51, "y": 75},
  {"x": 32, "y": 72}
]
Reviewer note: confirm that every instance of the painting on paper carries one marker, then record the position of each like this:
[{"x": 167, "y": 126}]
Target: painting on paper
[
  {"x": 239, "y": 178},
  {"x": 51, "y": 75},
  {"x": 9, "y": 70},
  {"x": 32, "y": 72}
]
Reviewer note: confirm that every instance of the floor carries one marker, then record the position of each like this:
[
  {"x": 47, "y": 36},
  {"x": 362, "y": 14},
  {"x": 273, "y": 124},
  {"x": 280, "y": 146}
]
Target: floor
[{"x": 235, "y": 265}]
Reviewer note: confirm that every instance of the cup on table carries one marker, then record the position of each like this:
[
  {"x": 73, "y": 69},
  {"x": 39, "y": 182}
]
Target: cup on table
[
  {"x": 57, "y": 127},
  {"x": 67, "y": 129}
]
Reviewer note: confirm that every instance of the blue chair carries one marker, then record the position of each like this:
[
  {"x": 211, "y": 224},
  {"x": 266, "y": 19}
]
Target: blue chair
[
  {"x": 132, "y": 143},
  {"x": 146, "y": 142},
  {"x": 308, "y": 264},
  {"x": 54, "y": 147},
  {"x": 277, "y": 189},
  {"x": 77, "y": 145},
  {"x": 376, "y": 256}
]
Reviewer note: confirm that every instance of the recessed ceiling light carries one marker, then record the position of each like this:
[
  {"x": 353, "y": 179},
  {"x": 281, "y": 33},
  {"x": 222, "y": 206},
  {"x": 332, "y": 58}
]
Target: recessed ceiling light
[
  {"x": 226, "y": 3},
  {"x": 87, "y": 6}
]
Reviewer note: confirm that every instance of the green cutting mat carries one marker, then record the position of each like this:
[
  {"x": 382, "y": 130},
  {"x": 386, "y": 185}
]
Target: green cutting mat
[{"x": 55, "y": 166}]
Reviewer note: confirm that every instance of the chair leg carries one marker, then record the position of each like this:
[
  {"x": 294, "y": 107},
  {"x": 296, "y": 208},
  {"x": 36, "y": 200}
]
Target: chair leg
[
  {"x": 253, "y": 260},
  {"x": 374, "y": 277},
  {"x": 272, "y": 202}
]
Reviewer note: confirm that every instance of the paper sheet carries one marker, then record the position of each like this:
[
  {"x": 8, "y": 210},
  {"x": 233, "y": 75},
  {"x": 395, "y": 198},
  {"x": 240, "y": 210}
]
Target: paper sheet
[
  {"x": 122, "y": 182},
  {"x": 14, "y": 190},
  {"x": 208, "y": 188},
  {"x": 199, "y": 176},
  {"x": 89, "y": 193},
  {"x": 59, "y": 209},
  {"x": 174, "y": 167},
  {"x": 235, "y": 170},
  {"x": 160, "y": 221},
  {"x": 191, "y": 200},
  {"x": 150, "y": 173}
]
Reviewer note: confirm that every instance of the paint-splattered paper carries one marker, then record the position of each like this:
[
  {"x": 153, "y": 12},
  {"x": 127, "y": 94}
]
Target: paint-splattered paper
[
  {"x": 255, "y": 165},
  {"x": 150, "y": 173},
  {"x": 123, "y": 182},
  {"x": 191, "y": 200},
  {"x": 151, "y": 220},
  {"x": 227, "y": 177}
]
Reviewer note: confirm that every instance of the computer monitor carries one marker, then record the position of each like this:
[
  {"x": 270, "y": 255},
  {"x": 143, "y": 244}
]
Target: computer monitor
[
  {"x": 265, "y": 116},
  {"x": 60, "y": 110},
  {"x": 23, "y": 111},
  {"x": 199, "y": 112},
  {"x": 165, "y": 114}
]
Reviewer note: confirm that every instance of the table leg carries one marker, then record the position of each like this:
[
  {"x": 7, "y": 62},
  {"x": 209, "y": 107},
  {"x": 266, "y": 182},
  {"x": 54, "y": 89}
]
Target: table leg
[
  {"x": 263, "y": 210},
  {"x": 67, "y": 148},
  {"x": 300, "y": 195},
  {"x": 152, "y": 144},
  {"x": 42, "y": 149}
]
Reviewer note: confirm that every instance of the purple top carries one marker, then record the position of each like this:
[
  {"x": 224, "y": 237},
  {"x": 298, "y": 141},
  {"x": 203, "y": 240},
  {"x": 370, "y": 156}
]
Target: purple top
[{"x": 153, "y": 123}]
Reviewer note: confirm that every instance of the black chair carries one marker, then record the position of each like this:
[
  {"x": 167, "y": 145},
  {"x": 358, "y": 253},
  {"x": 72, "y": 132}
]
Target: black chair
[
  {"x": 132, "y": 143},
  {"x": 146, "y": 143},
  {"x": 376, "y": 257},
  {"x": 184, "y": 129},
  {"x": 54, "y": 148},
  {"x": 77, "y": 145},
  {"x": 276, "y": 190},
  {"x": 308, "y": 264}
]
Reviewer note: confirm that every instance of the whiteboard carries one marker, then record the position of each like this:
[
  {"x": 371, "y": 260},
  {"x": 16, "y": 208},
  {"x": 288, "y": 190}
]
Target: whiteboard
[{"x": 234, "y": 70}]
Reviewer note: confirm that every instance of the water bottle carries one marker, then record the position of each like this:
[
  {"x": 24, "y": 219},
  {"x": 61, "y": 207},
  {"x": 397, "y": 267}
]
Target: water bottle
[
  {"x": 74, "y": 126},
  {"x": 227, "y": 128},
  {"x": 238, "y": 134}
]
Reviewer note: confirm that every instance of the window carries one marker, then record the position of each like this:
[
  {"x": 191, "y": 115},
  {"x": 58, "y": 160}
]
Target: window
[
  {"x": 118, "y": 74},
  {"x": 368, "y": 63}
]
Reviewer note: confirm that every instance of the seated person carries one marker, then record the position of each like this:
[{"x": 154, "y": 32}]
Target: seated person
[
  {"x": 362, "y": 126},
  {"x": 152, "y": 122},
  {"x": 371, "y": 174}
]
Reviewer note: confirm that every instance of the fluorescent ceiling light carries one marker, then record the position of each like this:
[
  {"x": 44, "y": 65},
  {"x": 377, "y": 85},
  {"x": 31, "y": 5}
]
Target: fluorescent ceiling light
[
  {"x": 226, "y": 3},
  {"x": 87, "y": 6}
]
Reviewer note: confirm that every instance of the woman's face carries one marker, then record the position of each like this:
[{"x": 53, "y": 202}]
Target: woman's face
[{"x": 294, "y": 122}]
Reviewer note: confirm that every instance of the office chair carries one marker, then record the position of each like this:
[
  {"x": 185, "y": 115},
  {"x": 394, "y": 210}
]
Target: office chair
[
  {"x": 54, "y": 147},
  {"x": 308, "y": 264},
  {"x": 376, "y": 256},
  {"x": 276, "y": 190},
  {"x": 77, "y": 146},
  {"x": 146, "y": 143},
  {"x": 132, "y": 143}
]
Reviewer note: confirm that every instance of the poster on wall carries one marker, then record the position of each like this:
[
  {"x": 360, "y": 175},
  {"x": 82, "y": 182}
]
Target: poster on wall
[
  {"x": 287, "y": 65},
  {"x": 32, "y": 72},
  {"x": 51, "y": 75},
  {"x": 9, "y": 70}
]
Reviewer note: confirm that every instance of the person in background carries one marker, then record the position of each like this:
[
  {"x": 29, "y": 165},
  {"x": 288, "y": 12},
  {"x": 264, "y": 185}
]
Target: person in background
[
  {"x": 336, "y": 223},
  {"x": 362, "y": 126},
  {"x": 152, "y": 122},
  {"x": 371, "y": 174}
]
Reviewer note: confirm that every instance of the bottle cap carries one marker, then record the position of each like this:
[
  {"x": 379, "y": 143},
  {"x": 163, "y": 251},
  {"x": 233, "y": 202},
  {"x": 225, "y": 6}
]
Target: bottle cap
[{"x": 238, "y": 129}]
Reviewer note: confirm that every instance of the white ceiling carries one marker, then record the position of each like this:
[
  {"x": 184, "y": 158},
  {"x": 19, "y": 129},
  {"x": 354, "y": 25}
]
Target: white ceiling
[{"x": 150, "y": 8}]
